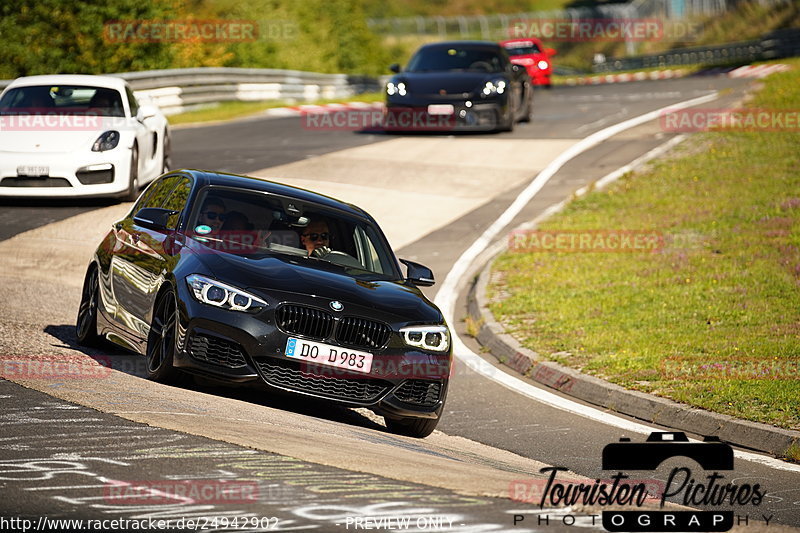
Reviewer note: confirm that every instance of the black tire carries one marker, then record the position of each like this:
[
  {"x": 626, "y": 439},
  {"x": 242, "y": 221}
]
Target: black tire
[
  {"x": 411, "y": 427},
  {"x": 162, "y": 339},
  {"x": 528, "y": 116},
  {"x": 133, "y": 180},
  {"x": 86, "y": 323},
  {"x": 167, "y": 149}
]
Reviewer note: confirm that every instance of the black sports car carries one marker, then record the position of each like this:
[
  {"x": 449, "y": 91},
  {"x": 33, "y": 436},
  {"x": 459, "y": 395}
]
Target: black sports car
[
  {"x": 459, "y": 85},
  {"x": 245, "y": 280}
]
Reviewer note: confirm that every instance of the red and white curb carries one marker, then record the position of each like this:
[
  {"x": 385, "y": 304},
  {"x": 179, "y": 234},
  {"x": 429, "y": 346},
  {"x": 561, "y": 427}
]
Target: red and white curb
[
  {"x": 758, "y": 71},
  {"x": 627, "y": 76},
  {"x": 747, "y": 71},
  {"x": 307, "y": 109}
]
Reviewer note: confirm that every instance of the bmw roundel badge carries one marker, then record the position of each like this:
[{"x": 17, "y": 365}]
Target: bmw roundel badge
[{"x": 336, "y": 305}]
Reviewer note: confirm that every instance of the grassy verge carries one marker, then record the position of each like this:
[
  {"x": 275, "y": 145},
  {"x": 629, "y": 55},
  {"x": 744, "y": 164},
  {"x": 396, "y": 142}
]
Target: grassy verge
[
  {"x": 712, "y": 318},
  {"x": 234, "y": 110}
]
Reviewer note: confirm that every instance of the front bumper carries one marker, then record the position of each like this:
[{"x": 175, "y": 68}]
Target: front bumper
[
  {"x": 249, "y": 349},
  {"x": 468, "y": 115},
  {"x": 93, "y": 174}
]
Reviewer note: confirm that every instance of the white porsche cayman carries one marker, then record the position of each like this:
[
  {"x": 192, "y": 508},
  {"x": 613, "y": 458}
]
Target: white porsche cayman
[{"x": 78, "y": 135}]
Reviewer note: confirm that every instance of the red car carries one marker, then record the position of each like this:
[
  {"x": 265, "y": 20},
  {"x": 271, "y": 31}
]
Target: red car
[{"x": 533, "y": 55}]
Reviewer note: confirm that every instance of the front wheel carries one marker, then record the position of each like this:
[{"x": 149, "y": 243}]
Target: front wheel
[
  {"x": 166, "y": 164},
  {"x": 86, "y": 324},
  {"x": 411, "y": 427},
  {"x": 162, "y": 339},
  {"x": 133, "y": 179}
]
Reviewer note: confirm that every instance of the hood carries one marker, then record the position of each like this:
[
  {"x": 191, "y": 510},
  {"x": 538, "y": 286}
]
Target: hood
[
  {"x": 54, "y": 133},
  {"x": 453, "y": 83},
  {"x": 276, "y": 274}
]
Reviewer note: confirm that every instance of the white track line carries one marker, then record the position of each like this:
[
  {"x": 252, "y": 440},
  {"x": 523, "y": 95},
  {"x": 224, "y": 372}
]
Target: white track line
[{"x": 446, "y": 297}]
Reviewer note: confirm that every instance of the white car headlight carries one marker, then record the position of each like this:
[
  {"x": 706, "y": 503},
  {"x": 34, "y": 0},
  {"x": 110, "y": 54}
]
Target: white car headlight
[
  {"x": 108, "y": 140},
  {"x": 494, "y": 87},
  {"x": 542, "y": 64},
  {"x": 392, "y": 89},
  {"x": 218, "y": 294},
  {"x": 434, "y": 338}
]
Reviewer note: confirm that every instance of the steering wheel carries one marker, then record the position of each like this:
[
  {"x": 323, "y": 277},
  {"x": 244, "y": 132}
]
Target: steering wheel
[
  {"x": 335, "y": 256},
  {"x": 481, "y": 65}
]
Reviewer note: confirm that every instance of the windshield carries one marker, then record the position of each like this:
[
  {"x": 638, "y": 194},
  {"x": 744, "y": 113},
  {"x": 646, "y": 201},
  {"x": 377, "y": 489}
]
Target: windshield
[
  {"x": 436, "y": 59},
  {"x": 255, "y": 224},
  {"x": 522, "y": 48},
  {"x": 62, "y": 99}
]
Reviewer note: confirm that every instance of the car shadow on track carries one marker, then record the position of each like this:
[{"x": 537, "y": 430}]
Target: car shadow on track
[{"x": 111, "y": 356}]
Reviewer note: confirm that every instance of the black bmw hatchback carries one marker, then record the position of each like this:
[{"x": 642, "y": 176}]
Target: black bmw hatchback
[{"x": 249, "y": 281}]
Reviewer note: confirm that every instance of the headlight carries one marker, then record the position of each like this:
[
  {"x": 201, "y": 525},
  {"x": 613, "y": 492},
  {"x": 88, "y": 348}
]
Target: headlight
[
  {"x": 107, "y": 141},
  {"x": 392, "y": 89},
  {"x": 494, "y": 87},
  {"x": 435, "y": 338},
  {"x": 213, "y": 292},
  {"x": 542, "y": 65}
]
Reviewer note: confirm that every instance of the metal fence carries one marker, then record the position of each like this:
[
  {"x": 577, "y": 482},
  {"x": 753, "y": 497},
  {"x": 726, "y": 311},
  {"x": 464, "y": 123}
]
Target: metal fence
[
  {"x": 774, "y": 45},
  {"x": 176, "y": 90}
]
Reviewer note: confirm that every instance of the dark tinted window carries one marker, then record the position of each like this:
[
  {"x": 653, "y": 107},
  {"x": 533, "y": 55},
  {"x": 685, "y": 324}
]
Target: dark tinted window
[
  {"x": 435, "y": 59},
  {"x": 63, "y": 99},
  {"x": 177, "y": 200},
  {"x": 522, "y": 48},
  {"x": 156, "y": 193},
  {"x": 132, "y": 101}
]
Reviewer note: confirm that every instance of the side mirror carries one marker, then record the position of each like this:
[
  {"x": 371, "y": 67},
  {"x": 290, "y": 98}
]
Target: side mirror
[
  {"x": 550, "y": 51},
  {"x": 145, "y": 112},
  {"x": 156, "y": 218},
  {"x": 418, "y": 274},
  {"x": 394, "y": 67}
]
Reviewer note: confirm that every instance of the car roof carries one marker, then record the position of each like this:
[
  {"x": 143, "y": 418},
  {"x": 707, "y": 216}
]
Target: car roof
[
  {"x": 472, "y": 44},
  {"x": 109, "y": 82},
  {"x": 522, "y": 40},
  {"x": 224, "y": 179}
]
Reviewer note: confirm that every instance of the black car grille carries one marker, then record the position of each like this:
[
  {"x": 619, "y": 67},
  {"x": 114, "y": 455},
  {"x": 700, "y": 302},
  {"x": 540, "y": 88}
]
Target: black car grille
[
  {"x": 362, "y": 332},
  {"x": 21, "y": 181},
  {"x": 306, "y": 321},
  {"x": 216, "y": 351},
  {"x": 319, "y": 324},
  {"x": 94, "y": 177},
  {"x": 419, "y": 392},
  {"x": 287, "y": 374}
]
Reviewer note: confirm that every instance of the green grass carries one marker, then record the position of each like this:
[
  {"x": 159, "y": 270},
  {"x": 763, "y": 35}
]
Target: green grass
[
  {"x": 723, "y": 293},
  {"x": 234, "y": 110}
]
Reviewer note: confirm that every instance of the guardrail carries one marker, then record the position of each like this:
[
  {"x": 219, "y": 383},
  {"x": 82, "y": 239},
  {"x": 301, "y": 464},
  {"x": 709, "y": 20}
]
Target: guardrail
[
  {"x": 774, "y": 45},
  {"x": 177, "y": 90}
]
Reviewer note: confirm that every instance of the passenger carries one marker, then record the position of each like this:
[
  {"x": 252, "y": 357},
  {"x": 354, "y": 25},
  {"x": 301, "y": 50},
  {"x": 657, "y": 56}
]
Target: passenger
[
  {"x": 315, "y": 235},
  {"x": 236, "y": 221}
]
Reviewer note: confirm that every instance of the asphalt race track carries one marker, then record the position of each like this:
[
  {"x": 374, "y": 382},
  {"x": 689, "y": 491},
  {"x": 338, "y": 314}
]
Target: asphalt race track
[{"x": 66, "y": 441}]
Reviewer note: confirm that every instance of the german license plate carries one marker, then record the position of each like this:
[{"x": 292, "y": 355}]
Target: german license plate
[
  {"x": 325, "y": 354},
  {"x": 441, "y": 109},
  {"x": 33, "y": 170}
]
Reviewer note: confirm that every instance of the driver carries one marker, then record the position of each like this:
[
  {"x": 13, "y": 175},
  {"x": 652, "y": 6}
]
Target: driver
[{"x": 315, "y": 235}]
